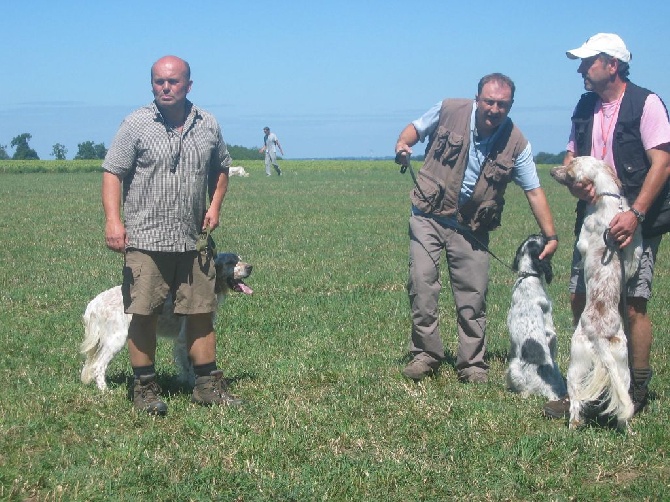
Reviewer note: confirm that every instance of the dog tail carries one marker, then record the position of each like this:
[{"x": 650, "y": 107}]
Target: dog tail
[
  {"x": 89, "y": 347},
  {"x": 609, "y": 380}
]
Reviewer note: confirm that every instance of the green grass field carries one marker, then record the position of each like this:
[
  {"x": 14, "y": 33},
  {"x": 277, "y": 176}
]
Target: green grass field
[{"x": 316, "y": 353}]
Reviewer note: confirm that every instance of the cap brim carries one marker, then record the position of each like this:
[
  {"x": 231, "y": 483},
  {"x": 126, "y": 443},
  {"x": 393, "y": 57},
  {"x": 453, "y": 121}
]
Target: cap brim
[{"x": 581, "y": 53}]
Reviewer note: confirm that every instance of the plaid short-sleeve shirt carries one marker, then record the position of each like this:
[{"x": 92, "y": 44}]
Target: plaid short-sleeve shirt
[{"x": 165, "y": 176}]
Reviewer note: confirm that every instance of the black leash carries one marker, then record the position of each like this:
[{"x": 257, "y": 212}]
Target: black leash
[
  {"x": 613, "y": 246},
  {"x": 403, "y": 159}
]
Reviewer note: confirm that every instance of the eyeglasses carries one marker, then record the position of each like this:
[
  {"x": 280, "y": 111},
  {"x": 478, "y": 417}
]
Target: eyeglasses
[{"x": 505, "y": 105}]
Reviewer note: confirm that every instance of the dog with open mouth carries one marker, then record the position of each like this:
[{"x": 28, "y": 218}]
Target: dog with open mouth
[{"x": 106, "y": 323}]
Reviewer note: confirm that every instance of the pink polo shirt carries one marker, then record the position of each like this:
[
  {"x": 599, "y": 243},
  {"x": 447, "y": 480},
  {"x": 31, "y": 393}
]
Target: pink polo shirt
[{"x": 654, "y": 128}]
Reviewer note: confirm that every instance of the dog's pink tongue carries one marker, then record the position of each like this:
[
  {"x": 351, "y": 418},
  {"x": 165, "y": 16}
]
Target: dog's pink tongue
[{"x": 240, "y": 287}]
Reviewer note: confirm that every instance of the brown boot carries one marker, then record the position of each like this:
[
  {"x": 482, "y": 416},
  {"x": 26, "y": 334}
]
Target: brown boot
[
  {"x": 146, "y": 394},
  {"x": 212, "y": 389},
  {"x": 639, "y": 388},
  {"x": 418, "y": 369}
]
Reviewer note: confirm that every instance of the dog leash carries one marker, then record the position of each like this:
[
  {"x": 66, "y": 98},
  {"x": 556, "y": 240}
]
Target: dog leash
[
  {"x": 205, "y": 242},
  {"x": 612, "y": 245},
  {"x": 403, "y": 159},
  {"x": 526, "y": 275},
  {"x": 613, "y": 248}
]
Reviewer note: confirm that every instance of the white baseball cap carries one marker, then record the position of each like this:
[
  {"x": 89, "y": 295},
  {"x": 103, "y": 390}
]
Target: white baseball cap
[{"x": 609, "y": 43}]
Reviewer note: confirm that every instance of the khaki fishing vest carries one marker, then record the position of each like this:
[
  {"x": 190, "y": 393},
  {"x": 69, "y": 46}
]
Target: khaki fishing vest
[{"x": 441, "y": 175}]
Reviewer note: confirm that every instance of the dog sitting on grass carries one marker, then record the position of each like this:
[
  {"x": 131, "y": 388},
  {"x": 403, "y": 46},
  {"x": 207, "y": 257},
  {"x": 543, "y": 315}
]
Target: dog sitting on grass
[
  {"x": 106, "y": 323},
  {"x": 533, "y": 345}
]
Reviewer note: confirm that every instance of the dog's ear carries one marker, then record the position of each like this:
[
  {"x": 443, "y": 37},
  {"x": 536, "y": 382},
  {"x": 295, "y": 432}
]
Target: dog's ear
[
  {"x": 543, "y": 266},
  {"x": 517, "y": 257},
  {"x": 547, "y": 270}
]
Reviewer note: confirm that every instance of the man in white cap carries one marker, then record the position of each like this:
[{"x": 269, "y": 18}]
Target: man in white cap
[{"x": 626, "y": 126}]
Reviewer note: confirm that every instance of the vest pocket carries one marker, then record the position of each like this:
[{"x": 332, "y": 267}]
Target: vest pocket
[
  {"x": 488, "y": 216},
  {"x": 448, "y": 145},
  {"x": 498, "y": 172},
  {"x": 433, "y": 192}
]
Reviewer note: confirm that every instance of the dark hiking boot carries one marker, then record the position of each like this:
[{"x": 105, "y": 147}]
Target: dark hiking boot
[
  {"x": 212, "y": 389},
  {"x": 639, "y": 388},
  {"x": 146, "y": 392},
  {"x": 559, "y": 408}
]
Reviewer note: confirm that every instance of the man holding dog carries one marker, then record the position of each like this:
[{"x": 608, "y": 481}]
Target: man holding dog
[
  {"x": 626, "y": 126},
  {"x": 474, "y": 151},
  {"x": 165, "y": 159}
]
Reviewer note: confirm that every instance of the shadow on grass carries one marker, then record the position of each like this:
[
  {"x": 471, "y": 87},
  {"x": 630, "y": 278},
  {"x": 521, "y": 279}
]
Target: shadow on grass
[
  {"x": 169, "y": 384},
  {"x": 450, "y": 358}
]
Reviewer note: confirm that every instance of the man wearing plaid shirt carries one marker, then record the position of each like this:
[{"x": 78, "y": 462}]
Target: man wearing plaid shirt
[{"x": 166, "y": 158}]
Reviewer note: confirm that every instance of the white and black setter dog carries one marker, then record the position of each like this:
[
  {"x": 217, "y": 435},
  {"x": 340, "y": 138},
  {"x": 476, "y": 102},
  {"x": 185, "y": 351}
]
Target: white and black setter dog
[
  {"x": 533, "y": 344},
  {"x": 106, "y": 323}
]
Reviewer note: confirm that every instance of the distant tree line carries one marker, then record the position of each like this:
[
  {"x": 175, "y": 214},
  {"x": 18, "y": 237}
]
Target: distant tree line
[
  {"x": 88, "y": 150},
  {"x": 549, "y": 158},
  {"x": 540, "y": 158},
  {"x": 238, "y": 152}
]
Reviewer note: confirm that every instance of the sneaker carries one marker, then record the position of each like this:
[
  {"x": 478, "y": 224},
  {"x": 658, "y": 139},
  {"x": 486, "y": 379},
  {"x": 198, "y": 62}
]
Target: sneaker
[
  {"x": 212, "y": 389},
  {"x": 559, "y": 408},
  {"x": 146, "y": 393},
  {"x": 418, "y": 369}
]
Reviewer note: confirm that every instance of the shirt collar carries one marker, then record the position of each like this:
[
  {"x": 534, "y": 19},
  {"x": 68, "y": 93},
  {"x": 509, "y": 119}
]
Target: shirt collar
[{"x": 192, "y": 115}]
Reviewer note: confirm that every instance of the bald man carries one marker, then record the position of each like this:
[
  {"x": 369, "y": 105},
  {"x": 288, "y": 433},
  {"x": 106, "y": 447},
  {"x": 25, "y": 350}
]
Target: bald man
[{"x": 166, "y": 158}]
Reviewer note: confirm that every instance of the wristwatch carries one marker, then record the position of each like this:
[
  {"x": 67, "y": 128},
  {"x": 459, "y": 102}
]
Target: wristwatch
[{"x": 639, "y": 215}]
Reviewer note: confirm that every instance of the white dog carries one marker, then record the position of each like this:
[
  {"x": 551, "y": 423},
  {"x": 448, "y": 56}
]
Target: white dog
[
  {"x": 598, "y": 372},
  {"x": 237, "y": 171},
  {"x": 106, "y": 324},
  {"x": 533, "y": 344}
]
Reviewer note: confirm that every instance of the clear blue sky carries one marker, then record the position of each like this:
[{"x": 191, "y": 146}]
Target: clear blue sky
[{"x": 331, "y": 78}]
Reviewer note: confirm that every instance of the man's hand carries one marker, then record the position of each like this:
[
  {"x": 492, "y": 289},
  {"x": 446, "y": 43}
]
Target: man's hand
[
  {"x": 402, "y": 157},
  {"x": 211, "y": 220},
  {"x": 115, "y": 236},
  {"x": 622, "y": 227},
  {"x": 584, "y": 191},
  {"x": 549, "y": 249}
]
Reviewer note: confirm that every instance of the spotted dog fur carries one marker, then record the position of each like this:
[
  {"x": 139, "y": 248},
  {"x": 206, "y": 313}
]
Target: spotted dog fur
[
  {"x": 532, "y": 365},
  {"x": 106, "y": 324},
  {"x": 598, "y": 374}
]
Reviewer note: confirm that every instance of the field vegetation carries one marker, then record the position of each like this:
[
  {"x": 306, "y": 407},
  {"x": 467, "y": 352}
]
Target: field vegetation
[{"x": 316, "y": 353}]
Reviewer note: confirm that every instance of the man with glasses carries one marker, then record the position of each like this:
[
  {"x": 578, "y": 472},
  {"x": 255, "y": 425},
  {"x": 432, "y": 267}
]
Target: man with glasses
[{"x": 474, "y": 151}]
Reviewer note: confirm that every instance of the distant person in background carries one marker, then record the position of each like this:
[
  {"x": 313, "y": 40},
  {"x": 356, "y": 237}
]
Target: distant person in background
[
  {"x": 164, "y": 160},
  {"x": 270, "y": 145},
  {"x": 626, "y": 126},
  {"x": 474, "y": 151}
]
